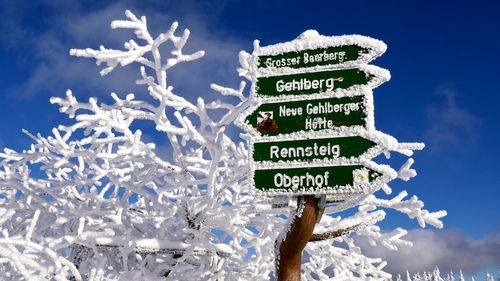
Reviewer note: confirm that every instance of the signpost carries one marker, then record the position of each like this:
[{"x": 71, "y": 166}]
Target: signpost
[
  {"x": 336, "y": 179},
  {"x": 312, "y": 130},
  {"x": 315, "y": 149},
  {"x": 329, "y": 81},
  {"x": 315, "y": 57},
  {"x": 312, "y": 50},
  {"x": 285, "y": 117},
  {"x": 320, "y": 82},
  {"x": 312, "y": 125}
]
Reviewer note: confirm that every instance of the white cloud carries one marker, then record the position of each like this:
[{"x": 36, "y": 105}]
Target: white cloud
[
  {"x": 451, "y": 124},
  {"x": 55, "y": 71},
  {"x": 450, "y": 250}
]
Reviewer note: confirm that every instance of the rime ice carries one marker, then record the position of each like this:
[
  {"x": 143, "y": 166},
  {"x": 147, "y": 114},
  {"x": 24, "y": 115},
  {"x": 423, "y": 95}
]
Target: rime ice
[{"x": 95, "y": 201}]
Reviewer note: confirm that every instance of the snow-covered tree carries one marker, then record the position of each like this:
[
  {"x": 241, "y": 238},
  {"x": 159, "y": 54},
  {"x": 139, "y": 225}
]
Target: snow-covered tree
[
  {"x": 435, "y": 275},
  {"x": 451, "y": 276},
  {"x": 95, "y": 201},
  {"x": 408, "y": 277},
  {"x": 461, "y": 276}
]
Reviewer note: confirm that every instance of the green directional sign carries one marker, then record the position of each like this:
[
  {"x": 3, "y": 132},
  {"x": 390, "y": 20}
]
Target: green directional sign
[
  {"x": 315, "y": 57},
  {"x": 311, "y": 149},
  {"x": 271, "y": 119},
  {"x": 312, "y": 82},
  {"x": 311, "y": 127},
  {"x": 312, "y": 179}
]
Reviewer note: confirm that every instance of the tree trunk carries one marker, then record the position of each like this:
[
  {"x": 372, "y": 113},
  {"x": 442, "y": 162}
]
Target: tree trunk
[{"x": 301, "y": 230}]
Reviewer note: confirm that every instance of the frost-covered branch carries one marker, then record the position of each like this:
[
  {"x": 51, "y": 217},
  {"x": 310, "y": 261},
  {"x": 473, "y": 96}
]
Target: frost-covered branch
[
  {"x": 96, "y": 200},
  {"x": 107, "y": 202},
  {"x": 348, "y": 225},
  {"x": 412, "y": 207},
  {"x": 363, "y": 222}
]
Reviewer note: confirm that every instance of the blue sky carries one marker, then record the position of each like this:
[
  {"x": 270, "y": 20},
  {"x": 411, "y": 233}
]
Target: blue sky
[{"x": 443, "y": 57}]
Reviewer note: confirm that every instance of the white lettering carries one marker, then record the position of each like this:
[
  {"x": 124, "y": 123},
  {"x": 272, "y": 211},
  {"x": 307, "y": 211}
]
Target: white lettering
[
  {"x": 318, "y": 123},
  {"x": 286, "y": 111},
  {"x": 279, "y": 86},
  {"x": 306, "y": 84},
  {"x": 328, "y": 150},
  {"x": 282, "y": 62},
  {"x": 327, "y": 107},
  {"x": 273, "y": 150},
  {"x": 307, "y": 180},
  {"x": 324, "y": 57}
]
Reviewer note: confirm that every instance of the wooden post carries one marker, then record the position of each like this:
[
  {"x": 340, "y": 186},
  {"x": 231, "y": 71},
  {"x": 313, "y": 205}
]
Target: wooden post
[{"x": 301, "y": 230}]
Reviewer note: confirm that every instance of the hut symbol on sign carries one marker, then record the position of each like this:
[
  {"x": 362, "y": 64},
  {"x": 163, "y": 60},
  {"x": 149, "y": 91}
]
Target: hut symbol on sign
[{"x": 265, "y": 122}]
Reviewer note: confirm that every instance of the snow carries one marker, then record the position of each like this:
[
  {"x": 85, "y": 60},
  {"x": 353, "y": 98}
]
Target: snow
[
  {"x": 386, "y": 175},
  {"x": 81, "y": 206},
  {"x": 360, "y": 193},
  {"x": 95, "y": 201},
  {"x": 311, "y": 39},
  {"x": 381, "y": 75}
]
